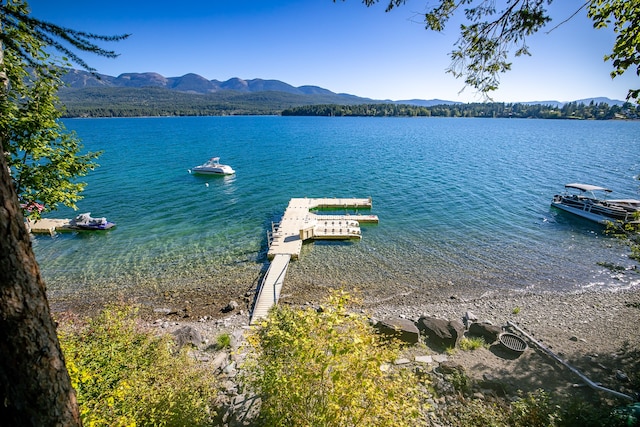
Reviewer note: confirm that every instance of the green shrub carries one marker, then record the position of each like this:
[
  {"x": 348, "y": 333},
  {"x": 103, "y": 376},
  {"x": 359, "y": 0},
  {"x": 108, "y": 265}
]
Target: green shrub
[
  {"x": 328, "y": 368},
  {"x": 223, "y": 341},
  {"x": 471, "y": 343},
  {"x": 535, "y": 409},
  {"x": 126, "y": 377}
]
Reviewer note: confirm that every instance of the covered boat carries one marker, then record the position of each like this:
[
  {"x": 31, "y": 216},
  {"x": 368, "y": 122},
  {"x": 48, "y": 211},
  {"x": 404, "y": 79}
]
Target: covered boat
[
  {"x": 590, "y": 202},
  {"x": 86, "y": 222},
  {"x": 213, "y": 167}
]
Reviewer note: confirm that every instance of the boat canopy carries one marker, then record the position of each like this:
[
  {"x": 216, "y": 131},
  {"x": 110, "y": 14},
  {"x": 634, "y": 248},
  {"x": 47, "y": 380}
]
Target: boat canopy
[{"x": 587, "y": 187}]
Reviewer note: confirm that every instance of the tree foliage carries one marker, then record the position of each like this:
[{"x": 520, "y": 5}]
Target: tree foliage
[
  {"x": 624, "y": 16},
  {"x": 329, "y": 368},
  {"x": 43, "y": 157},
  {"x": 35, "y": 388},
  {"x": 571, "y": 110},
  {"x": 126, "y": 376},
  {"x": 490, "y": 35}
]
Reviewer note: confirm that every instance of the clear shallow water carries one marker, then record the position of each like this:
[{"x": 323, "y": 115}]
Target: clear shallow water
[{"x": 461, "y": 202}]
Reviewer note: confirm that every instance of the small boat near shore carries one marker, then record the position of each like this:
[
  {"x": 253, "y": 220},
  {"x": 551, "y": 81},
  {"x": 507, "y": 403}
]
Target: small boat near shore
[
  {"x": 590, "y": 202},
  {"x": 86, "y": 222},
  {"x": 213, "y": 167}
]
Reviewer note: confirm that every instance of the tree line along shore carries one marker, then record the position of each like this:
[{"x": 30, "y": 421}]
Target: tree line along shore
[{"x": 156, "y": 102}]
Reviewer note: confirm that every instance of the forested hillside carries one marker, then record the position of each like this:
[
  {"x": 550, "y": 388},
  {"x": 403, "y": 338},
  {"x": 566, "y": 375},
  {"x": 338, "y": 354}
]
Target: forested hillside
[{"x": 155, "y": 101}]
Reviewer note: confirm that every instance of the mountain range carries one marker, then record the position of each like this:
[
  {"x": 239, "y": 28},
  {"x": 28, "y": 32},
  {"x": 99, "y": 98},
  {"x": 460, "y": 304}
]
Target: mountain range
[
  {"x": 86, "y": 91},
  {"x": 189, "y": 83}
]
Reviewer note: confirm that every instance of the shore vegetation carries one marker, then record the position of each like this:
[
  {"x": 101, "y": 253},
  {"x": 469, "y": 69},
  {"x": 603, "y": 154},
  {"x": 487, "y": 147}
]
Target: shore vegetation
[
  {"x": 124, "y": 376},
  {"x": 328, "y": 367}
]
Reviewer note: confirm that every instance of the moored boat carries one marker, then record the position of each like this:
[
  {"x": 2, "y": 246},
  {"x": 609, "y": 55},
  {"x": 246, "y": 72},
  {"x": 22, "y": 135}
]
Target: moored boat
[
  {"x": 590, "y": 202},
  {"x": 213, "y": 167},
  {"x": 86, "y": 222}
]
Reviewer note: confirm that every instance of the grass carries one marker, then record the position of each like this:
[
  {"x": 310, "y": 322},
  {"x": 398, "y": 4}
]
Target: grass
[{"x": 472, "y": 343}]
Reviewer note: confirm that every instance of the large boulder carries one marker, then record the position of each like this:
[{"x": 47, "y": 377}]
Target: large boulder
[
  {"x": 485, "y": 330},
  {"x": 441, "y": 332},
  {"x": 402, "y": 329},
  {"x": 187, "y": 335}
]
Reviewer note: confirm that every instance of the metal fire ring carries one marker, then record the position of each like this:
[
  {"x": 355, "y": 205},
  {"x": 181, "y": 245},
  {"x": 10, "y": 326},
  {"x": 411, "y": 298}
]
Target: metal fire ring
[{"x": 512, "y": 342}]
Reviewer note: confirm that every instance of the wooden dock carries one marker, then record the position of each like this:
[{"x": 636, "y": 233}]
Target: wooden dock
[
  {"x": 297, "y": 225},
  {"x": 47, "y": 225}
]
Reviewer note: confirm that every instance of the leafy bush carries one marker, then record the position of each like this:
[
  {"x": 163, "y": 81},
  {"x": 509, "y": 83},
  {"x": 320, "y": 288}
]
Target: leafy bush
[
  {"x": 328, "y": 368},
  {"x": 474, "y": 413},
  {"x": 126, "y": 377}
]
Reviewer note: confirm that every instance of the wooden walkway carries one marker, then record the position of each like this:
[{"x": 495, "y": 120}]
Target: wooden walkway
[
  {"x": 297, "y": 225},
  {"x": 270, "y": 288}
]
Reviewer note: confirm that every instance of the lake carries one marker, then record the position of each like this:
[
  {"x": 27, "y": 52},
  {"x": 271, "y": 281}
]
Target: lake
[{"x": 461, "y": 202}]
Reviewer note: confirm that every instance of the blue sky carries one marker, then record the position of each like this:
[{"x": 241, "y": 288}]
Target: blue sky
[{"x": 344, "y": 47}]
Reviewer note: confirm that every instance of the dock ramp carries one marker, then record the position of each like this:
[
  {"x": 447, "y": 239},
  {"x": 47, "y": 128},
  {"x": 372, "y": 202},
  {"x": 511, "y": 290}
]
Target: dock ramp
[{"x": 270, "y": 287}]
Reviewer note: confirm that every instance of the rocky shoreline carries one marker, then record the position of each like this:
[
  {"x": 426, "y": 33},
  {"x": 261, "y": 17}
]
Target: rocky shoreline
[{"x": 596, "y": 332}]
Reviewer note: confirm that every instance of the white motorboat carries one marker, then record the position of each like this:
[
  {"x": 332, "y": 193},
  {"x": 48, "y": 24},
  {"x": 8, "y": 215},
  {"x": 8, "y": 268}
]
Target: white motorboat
[
  {"x": 213, "y": 167},
  {"x": 589, "y": 201}
]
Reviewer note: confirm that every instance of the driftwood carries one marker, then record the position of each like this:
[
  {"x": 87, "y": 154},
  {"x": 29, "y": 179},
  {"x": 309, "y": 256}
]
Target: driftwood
[{"x": 586, "y": 380}]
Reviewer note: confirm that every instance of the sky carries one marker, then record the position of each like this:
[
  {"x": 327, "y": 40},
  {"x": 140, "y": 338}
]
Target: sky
[{"x": 342, "y": 46}]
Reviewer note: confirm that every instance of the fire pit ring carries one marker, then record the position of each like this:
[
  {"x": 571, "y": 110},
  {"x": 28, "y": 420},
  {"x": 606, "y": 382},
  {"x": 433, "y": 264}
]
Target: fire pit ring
[{"x": 512, "y": 342}]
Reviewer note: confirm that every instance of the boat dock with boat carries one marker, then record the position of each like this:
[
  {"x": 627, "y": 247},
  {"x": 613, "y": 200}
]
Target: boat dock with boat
[
  {"x": 297, "y": 225},
  {"x": 82, "y": 222}
]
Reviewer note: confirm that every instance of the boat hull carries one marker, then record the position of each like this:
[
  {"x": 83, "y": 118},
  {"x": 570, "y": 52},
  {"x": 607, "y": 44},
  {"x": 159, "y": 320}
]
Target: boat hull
[
  {"x": 595, "y": 210},
  {"x": 106, "y": 226},
  {"x": 584, "y": 214},
  {"x": 212, "y": 172}
]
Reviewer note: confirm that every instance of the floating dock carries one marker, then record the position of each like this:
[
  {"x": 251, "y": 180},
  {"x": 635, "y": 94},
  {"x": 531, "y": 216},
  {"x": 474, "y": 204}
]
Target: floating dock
[
  {"x": 52, "y": 226},
  {"x": 48, "y": 225},
  {"x": 297, "y": 225}
]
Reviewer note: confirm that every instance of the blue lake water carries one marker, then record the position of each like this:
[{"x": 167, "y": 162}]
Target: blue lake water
[{"x": 461, "y": 202}]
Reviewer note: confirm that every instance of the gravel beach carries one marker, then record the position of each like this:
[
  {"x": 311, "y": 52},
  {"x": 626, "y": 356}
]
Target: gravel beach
[{"x": 594, "y": 331}]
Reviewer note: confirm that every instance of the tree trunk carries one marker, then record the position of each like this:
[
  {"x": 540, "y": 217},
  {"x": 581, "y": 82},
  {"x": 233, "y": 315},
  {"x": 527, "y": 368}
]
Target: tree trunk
[{"x": 35, "y": 388}]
